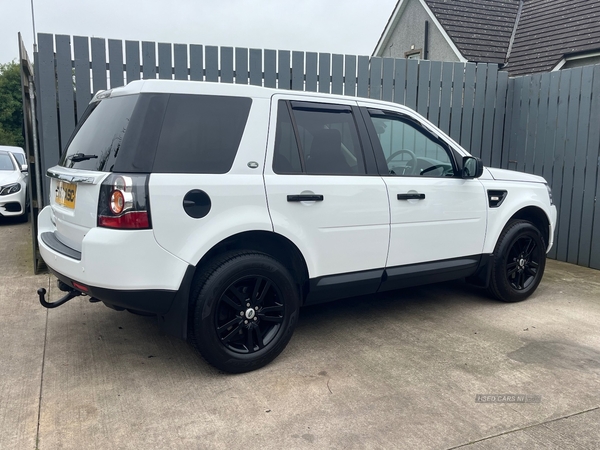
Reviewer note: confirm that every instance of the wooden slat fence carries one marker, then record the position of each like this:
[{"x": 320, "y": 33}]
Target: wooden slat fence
[
  {"x": 544, "y": 124},
  {"x": 554, "y": 131}
]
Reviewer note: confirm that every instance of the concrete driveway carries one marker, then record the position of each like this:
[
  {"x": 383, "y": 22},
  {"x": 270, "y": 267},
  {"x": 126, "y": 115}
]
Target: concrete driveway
[{"x": 400, "y": 370}]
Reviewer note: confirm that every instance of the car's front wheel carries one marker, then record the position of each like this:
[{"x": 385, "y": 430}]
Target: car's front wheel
[
  {"x": 245, "y": 309},
  {"x": 519, "y": 262}
]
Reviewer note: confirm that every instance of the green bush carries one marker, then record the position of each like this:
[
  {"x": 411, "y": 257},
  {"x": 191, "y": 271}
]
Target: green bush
[{"x": 11, "y": 110}]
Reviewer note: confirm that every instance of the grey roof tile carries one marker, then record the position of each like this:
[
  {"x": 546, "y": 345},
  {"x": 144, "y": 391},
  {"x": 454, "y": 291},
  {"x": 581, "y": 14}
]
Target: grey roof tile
[
  {"x": 481, "y": 29},
  {"x": 550, "y": 29}
]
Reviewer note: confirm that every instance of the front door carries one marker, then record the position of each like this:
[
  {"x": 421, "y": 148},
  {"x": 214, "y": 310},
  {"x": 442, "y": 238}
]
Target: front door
[{"x": 435, "y": 214}]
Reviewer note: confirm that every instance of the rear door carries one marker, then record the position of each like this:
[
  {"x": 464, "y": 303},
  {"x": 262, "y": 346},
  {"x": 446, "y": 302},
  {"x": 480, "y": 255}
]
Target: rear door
[{"x": 323, "y": 191}]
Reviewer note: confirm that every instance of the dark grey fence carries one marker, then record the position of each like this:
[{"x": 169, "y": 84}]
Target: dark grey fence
[
  {"x": 553, "y": 130},
  {"x": 546, "y": 125},
  {"x": 467, "y": 101}
]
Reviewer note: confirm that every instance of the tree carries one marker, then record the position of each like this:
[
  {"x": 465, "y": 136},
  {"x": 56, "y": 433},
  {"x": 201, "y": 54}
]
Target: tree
[{"x": 11, "y": 109}]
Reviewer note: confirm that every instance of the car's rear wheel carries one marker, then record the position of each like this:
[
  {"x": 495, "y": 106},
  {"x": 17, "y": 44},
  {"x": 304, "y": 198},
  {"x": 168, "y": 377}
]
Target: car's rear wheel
[
  {"x": 245, "y": 309},
  {"x": 519, "y": 262}
]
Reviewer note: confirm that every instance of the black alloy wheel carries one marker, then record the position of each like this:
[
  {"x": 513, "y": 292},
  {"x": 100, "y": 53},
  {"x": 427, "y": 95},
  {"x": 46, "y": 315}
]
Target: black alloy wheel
[
  {"x": 519, "y": 262},
  {"x": 244, "y": 309},
  {"x": 523, "y": 262},
  {"x": 249, "y": 314}
]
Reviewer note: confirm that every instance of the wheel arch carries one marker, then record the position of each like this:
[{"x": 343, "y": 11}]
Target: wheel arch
[
  {"x": 273, "y": 244},
  {"x": 534, "y": 214},
  {"x": 537, "y": 216}
]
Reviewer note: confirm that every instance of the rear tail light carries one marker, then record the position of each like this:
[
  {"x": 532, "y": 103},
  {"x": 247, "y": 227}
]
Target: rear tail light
[{"x": 123, "y": 202}]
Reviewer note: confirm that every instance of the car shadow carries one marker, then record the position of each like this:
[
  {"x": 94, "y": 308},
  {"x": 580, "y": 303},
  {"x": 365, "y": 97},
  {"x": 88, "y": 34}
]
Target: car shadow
[{"x": 13, "y": 220}]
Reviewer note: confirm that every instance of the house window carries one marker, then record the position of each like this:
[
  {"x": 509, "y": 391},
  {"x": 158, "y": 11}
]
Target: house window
[
  {"x": 585, "y": 59},
  {"x": 413, "y": 54}
]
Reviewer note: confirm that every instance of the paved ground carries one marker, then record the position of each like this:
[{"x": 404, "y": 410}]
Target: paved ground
[{"x": 388, "y": 371}]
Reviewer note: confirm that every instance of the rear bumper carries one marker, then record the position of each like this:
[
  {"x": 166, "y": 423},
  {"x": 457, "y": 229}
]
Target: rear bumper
[
  {"x": 123, "y": 269},
  {"x": 119, "y": 260},
  {"x": 170, "y": 307},
  {"x": 151, "y": 301}
]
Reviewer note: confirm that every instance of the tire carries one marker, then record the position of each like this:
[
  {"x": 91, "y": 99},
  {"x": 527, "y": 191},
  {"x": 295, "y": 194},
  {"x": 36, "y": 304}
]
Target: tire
[
  {"x": 244, "y": 311},
  {"x": 519, "y": 262}
]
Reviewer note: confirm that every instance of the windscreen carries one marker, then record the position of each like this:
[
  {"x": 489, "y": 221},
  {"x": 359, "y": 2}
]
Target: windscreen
[
  {"x": 20, "y": 158},
  {"x": 5, "y": 162}
]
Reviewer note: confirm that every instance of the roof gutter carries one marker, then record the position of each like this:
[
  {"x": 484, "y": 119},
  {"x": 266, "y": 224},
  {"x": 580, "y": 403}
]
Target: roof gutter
[{"x": 514, "y": 32}]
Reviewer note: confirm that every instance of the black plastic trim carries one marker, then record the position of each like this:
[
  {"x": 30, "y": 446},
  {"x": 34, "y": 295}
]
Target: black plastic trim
[
  {"x": 367, "y": 147},
  {"x": 483, "y": 274},
  {"x": 334, "y": 287},
  {"x": 414, "y": 196},
  {"x": 13, "y": 207},
  {"x": 50, "y": 239},
  {"x": 170, "y": 307},
  {"x": 306, "y": 105},
  {"x": 429, "y": 272},
  {"x": 175, "y": 321},
  {"x": 500, "y": 194},
  {"x": 153, "y": 301},
  {"x": 380, "y": 161},
  {"x": 305, "y": 198}
]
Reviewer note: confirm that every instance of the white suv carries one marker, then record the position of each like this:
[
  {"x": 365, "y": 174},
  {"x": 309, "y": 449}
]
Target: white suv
[{"x": 223, "y": 208}]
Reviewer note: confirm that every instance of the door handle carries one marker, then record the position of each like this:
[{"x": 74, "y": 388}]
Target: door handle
[
  {"x": 414, "y": 196},
  {"x": 305, "y": 198}
]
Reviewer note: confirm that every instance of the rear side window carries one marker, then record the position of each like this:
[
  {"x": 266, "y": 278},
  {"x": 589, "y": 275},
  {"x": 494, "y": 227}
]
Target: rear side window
[
  {"x": 154, "y": 132},
  {"x": 201, "y": 133},
  {"x": 322, "y": 139}
]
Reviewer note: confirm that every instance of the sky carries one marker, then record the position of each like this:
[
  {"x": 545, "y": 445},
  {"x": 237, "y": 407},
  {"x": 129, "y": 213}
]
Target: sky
[{"x": 331, "y": 26}]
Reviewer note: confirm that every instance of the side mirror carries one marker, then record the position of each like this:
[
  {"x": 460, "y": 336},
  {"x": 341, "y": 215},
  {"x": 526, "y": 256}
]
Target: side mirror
[
  {"x": 24, "y": 168},
  {"x": 472, "y": 167}
]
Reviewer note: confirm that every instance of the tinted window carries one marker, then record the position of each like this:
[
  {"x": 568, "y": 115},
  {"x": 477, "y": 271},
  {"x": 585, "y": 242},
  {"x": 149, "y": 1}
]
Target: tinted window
[
  {"x": 287, "y": 156},
  {"x": 201, "y": 133},
  {"x": 97, "y": 140},
  {"x": 409, "y": 150},
  {"x": 328, "y": 139},
  {"x": 139, "y": 143}
]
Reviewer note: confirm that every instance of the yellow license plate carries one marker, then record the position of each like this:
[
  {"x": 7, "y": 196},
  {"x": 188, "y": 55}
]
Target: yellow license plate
[{"x": 65, "y": 194}]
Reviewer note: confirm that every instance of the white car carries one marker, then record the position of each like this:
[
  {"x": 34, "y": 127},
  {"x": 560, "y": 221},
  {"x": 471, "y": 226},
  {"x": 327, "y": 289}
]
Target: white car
[
  {"x": 223, "y": 208},
  {"x": 13, "y": 187},
  {"x": 19, "y": 155}
]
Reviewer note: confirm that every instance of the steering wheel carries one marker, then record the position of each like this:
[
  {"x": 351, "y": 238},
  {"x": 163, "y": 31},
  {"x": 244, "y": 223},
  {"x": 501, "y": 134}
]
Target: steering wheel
[{"x": 410, "y": 166}]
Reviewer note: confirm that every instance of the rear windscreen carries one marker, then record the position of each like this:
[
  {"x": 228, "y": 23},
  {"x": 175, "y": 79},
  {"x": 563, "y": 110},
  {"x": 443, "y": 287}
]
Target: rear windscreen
[
  {"x": 97, "y": 141},
  {"x": 165, "y": 133}
]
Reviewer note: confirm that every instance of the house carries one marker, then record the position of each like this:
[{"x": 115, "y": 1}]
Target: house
[{"x": 521, "y": 36}]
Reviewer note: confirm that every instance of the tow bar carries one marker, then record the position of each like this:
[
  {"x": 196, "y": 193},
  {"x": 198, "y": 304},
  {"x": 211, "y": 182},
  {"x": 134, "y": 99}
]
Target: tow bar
[{"x": 70, "y": 295}]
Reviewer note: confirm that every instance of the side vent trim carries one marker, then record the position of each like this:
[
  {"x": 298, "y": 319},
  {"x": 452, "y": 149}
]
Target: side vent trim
[{"x": 495, "y": 198}]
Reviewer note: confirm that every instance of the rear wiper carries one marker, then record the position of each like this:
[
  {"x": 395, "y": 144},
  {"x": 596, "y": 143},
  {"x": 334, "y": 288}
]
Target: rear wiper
[{"x": 78, "y": 157}]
